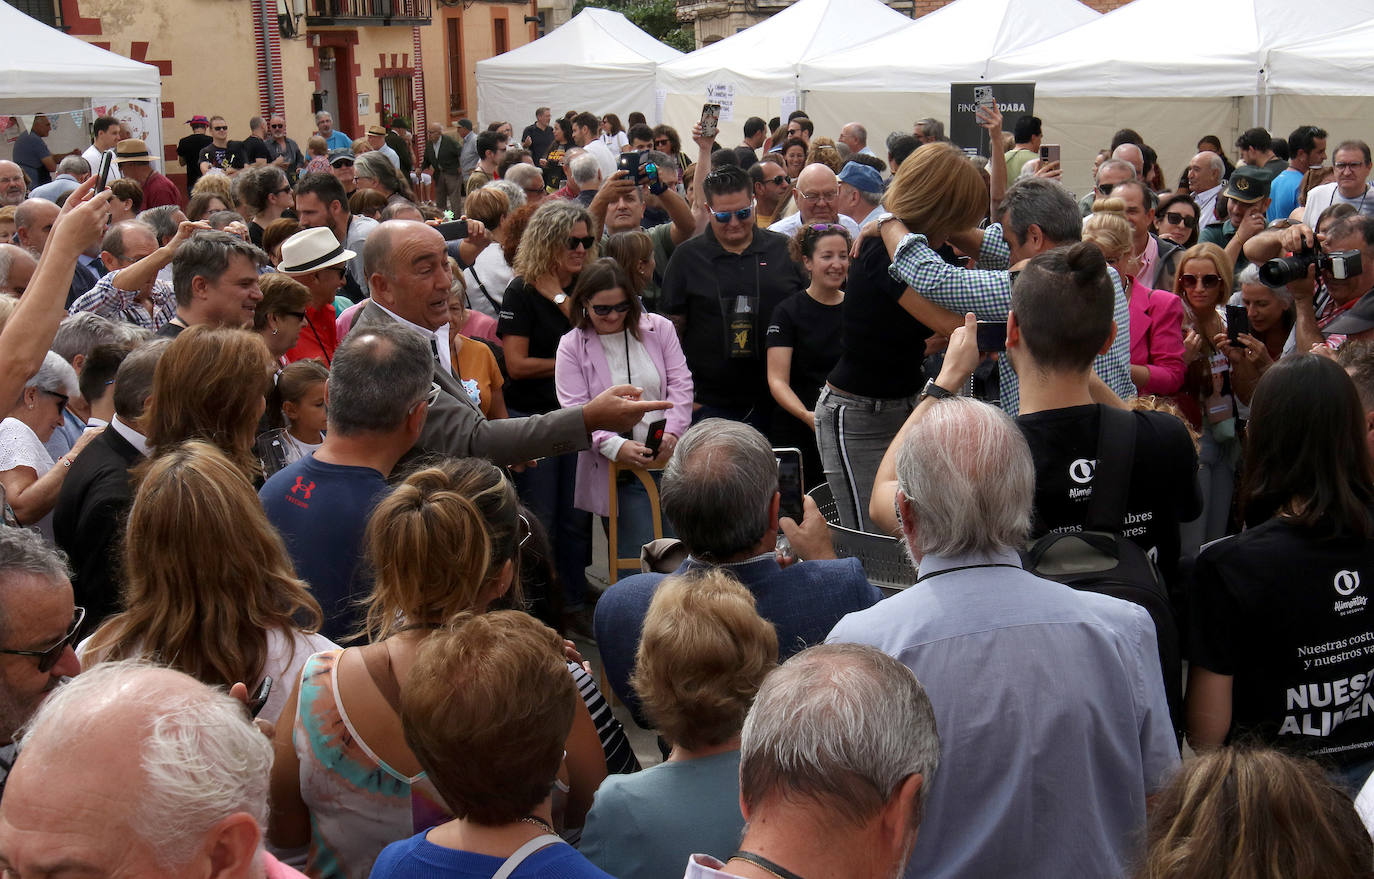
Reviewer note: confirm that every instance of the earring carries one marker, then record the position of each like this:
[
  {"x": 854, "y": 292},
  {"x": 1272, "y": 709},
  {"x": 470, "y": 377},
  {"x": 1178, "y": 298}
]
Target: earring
[{"x": 274, "y": 332}]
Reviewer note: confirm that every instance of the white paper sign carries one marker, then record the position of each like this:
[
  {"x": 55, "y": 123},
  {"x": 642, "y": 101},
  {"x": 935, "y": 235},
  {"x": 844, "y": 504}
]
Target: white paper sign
[
  {"x": 364, "y": 104},
  {"x": 789, "y": 103},
  {"x": 724, "y": 94},
  {"x": 660, "y": 98}
]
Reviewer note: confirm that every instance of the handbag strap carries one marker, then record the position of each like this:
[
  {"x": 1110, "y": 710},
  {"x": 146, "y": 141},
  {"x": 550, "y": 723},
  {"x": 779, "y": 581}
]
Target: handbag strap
[
  {"x": 1116, "y": 430},
  {"x": 472, "y": 270},
  {"x": 543, "y": 841}
]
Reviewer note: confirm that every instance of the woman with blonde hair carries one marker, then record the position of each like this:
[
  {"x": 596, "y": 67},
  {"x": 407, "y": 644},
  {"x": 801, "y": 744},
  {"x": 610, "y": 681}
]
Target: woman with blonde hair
[
  {"x": 490, "y": 273},
  {"x": 216, "y": 185},
  {"x": 865, "y": 401},
  {"x": 208, "y": 586},
  {"x": 824, "y": 152},
  {"x": 1254, "y": 813},
  {"x": 344, "y": 780},
  {"x": 703, "y": 654},
  {"x": 1156, "y": 315},
  {"x": 211, "y": 384},
  {"x": 1208, "y": 397},
  {"x": 535, "y": 314}
]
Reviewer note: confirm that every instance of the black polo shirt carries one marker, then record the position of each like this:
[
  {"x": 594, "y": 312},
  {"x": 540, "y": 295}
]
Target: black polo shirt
[{"x": 701, "y": 284}]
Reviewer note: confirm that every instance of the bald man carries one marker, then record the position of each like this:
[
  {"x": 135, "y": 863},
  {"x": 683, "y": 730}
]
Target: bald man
[
  {"x": 818, "y": 199},
  {"x": 16, "y": 268},
  {"x": 33, "y": 221},
  {"x": 12, "y": 185}
]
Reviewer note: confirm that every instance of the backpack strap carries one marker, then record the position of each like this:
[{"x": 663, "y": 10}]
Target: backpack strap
[
  {"x": 1116, "y": 430},
  {"x": 519, "y": 855}
]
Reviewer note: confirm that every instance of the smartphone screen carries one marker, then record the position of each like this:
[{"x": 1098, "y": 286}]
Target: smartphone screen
[
  {"x": 992, "y": 335},
  {"x": 790, "y": 483},
  {"x": 710, "y": 120},
  {"x": 106, "y": 159},
  {"x": 1237, "y": 322}
]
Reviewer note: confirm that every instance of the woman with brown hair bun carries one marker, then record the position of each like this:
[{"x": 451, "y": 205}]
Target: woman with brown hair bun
[
  {"x": 211, "y": 385},
  {"x": 1240, "y": 813},
  {"x": 443, "y": 546},
  {"x": 208, "y": 586}
]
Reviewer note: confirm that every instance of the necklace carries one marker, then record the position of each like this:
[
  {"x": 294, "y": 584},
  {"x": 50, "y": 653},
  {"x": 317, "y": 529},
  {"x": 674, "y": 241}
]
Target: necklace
[
  {"x": 539, "y": 822},
  {"x": 763, "y": 864}
]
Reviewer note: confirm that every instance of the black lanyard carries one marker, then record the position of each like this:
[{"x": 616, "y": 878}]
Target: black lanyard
[
  {"x": 764, "y": 864},
  {"x": 966, "y": 568}
]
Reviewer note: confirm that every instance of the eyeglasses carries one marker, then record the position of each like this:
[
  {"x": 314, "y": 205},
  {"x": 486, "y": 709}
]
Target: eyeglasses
[
  {"x": 539, "y": 190},
  {"x": 662, "y": 141},
  {"x": 779, "y": 180},
  {"x": 342, "y": 163},
  {"x": 48, "y": 657},
  {"x": 282, "y": 191},
  {"x": 1105, "y": 188},
  {"x": 1348, "y": 166},
  {"x": 61, "y": 398},
  {"x": 430, "y": 399},
  {"x": 585, "y": 242},
  {"x": 820, "y": 196},
  {"x": 618, "y": 308},
  {"x": 298, "y": 315},
  {"x": 1178, "y": 219},
  {"x": 1208, "y": 281},
  {"x": 742, "y": 214},
  {"x": 219, "y": 128},
  {"x": 524, "y": 529}
]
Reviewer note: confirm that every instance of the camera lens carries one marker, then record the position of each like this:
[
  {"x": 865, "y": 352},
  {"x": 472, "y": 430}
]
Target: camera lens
[{"x": 1280, "y": 271}]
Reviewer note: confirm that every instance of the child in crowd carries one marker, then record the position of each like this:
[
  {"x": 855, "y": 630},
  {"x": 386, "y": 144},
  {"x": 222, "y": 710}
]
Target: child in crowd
[{"x": 300, "y": 388}]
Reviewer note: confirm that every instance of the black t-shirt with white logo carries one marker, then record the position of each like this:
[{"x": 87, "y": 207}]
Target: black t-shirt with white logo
[
  {"x": 1289, "y": 617},
  {"x": 1163, "y": 487}
]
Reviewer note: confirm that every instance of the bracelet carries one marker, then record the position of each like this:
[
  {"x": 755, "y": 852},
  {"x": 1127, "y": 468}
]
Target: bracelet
[{"x": 65, "y": 461}]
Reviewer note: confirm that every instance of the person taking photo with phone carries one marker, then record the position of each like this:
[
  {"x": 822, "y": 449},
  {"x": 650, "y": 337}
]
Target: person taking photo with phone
[{"x": 613, "y": 340}]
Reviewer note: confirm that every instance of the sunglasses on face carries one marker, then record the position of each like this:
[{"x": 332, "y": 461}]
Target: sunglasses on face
[
  {"x": 61, "y": 398},
  {"x": 618, "y": 308},
  {"x": 585, "y": 242},
  {"x": 298, "y": 315},
  {"x": 48, "y": 657},
  {"x": 278, "y": 126},
  {"x": 431, "y": 398},
  {"x": 1208, "y": 282},
  {"x": 663, "y": 141},
  {"x": 1178, "y": 219},
  {"x": 220, "y": 128},
  {"x": 1105, "y": 188},
  {"x": 742, "y": 214}
]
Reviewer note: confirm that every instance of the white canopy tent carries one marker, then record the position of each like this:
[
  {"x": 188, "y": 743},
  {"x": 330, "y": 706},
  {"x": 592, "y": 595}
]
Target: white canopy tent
[
  {"x": 46, "y": 71},
  {"x": 889, "y": 82},
  {"x": 598, "y": 61},
  {"x": 761, "y": 64},
  {"x": 1174, "y": 82}
]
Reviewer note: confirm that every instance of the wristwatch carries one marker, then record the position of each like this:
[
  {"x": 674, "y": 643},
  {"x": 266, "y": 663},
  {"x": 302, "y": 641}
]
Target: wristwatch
[
  {"x": 883, "y": 218},
  {"x": 560, "y": 298},
  {"x": 933, "y": 390}
]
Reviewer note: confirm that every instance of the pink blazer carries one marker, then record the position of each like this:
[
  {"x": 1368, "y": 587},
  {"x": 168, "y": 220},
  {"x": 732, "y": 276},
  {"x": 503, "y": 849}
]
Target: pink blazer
[
  {"x": 1157, "y": 338},
  {"x": 581, "y": 372}
]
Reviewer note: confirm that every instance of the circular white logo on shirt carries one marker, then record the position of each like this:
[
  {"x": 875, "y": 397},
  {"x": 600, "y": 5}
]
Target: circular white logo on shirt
[
  {"x": 1081, "y": 471},
  {"x": 1347, "y": 581}
]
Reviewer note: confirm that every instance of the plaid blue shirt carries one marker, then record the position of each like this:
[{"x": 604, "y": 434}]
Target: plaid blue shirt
[
  {"x": 986, "y": 291},
  {"x": 108, "y": 301}
]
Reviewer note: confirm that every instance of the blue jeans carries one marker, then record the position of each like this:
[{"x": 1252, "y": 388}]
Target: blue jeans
[
  {"x": 635, "y": 522},
  {"x": 1216, "y": 478},
  {"x": 547, "y": 490}
]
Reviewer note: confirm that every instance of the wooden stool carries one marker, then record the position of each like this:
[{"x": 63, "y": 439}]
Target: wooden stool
[{"x": 615, "y": 562}]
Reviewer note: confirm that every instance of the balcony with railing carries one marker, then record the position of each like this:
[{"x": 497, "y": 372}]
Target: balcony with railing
[{"x": 368, "y": 13}]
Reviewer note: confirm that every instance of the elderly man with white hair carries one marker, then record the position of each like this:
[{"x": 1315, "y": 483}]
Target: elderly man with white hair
[
  {"x": 584, "y": 171},
  {"x": 1049, "y": 700},
  {"x": 837, "y": 757},
  {"x": 1204, "y": 182},
  {"x": 135, "y": 771}
]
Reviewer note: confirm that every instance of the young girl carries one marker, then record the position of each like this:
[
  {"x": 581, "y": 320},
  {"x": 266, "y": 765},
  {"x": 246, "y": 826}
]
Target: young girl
[{"x": 300, "y": 388}]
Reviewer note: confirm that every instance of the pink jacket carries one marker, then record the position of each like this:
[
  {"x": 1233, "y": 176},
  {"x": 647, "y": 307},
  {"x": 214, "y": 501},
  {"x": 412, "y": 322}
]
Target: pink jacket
[
  {"x": 581, "y": 372},
  {"x": 1157, "y": 338}
]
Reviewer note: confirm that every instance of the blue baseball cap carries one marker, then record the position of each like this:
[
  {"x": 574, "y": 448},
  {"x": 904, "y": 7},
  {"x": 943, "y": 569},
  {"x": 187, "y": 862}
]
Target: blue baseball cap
[{"x": 861, "y": 177}]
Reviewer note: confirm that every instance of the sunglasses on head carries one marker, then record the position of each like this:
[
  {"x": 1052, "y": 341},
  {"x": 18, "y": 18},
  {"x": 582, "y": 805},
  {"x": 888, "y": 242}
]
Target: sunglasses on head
[
  {"x": 742, "y": 214},
  {"x": 585, "y": 241},
  {"x": 618, "y": 308},
  {"x": 827, "y": 227},
  {"x": 49, "y": 656},
  {"x": 1180, "y": 219},
  {"x": 1208, "y": 281}
]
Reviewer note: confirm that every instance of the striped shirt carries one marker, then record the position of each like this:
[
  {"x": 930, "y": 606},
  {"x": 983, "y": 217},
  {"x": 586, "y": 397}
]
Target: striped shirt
[{"x": 108, "y": 301}]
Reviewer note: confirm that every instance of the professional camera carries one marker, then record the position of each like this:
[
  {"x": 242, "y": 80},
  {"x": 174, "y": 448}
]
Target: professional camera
[{"x": 1337, "y": 266}]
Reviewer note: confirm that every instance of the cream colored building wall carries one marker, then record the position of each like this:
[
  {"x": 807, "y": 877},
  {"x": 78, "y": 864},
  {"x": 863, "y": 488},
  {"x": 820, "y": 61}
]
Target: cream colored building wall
[{"x": 478, "y": 35}]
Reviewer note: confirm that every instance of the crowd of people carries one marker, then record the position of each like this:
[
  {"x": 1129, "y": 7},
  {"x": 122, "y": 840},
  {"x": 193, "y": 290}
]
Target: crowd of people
[{"x": 302, "y": 466}]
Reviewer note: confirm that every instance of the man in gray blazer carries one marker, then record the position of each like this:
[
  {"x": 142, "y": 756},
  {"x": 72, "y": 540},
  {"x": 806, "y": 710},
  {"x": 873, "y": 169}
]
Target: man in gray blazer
[{"x": 407, "y": 268}]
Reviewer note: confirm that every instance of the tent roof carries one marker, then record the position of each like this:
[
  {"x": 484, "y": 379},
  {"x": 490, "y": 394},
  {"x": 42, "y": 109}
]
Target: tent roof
[
  {"x": 1335, "y": 64},
  {"x": 951, "y": 44},
  {"x": 45, "y": 70},
  {"x": 764, "y": 59},
  {"x": 1174, "y": 48},
  {"x": 599, "y": 40}
]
